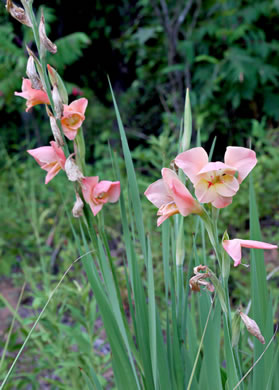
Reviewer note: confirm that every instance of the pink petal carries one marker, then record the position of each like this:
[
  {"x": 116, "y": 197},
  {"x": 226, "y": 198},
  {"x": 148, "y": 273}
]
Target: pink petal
[
  {"x": 43, "y": 155},
  {"x": 69, "y": 133},
  {"x": 215, "y": 166},
  {"x": 24, "y": 95},
  {"x": 88, "y": 184},
  {"x": 183, "y": 199},
  {"x": 111, "y": 189},
  {"x": 220, "y": 202},
  {"x": 26, "y": 85},
  {"x": 204, "y": 192},
  {"x": 59, "y": 153},
  {"x": 242, "y": 159},
  {"x": 233, "y": 247},
  {"x": 96, "y": 208},
  {"x": 79, "y": 105},
  {"x": 191, "y": 162},
  {"x": 256, "y": 244},
  {"x": 158, "y": 194},
  {"x": 161, "y": 219},
  {"x": 53, "y": 172},
  {"x": 228, "y": 187}
]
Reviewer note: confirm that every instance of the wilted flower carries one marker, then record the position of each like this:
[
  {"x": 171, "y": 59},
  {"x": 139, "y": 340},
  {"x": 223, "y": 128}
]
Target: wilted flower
[
  {"x": 252, "y": 327},
  {"x": 33, "y": 96},
  {"x": 32, "y": 74},
  {"x": 73, "y": 116},
  {"x": 56, "y": 131},
  {"x": 72, "y": 170},
  {"x": 45, "y": 42},
  {"x": 171, "y": 197},
  {"x": 58, "y": 104},
  {"x": 215, "y": 182},
  {"x": 78, "y": 207},
  {"x": 50, "y": 158},
  {"x": 233, "y": 247},
  {"x": 96, "y": 193},
  {"x": 18, "y": 13},
  {"x": 199, "y": 279}
]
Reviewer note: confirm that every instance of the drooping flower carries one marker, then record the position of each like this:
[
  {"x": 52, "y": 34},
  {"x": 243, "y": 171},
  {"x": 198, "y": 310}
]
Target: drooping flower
[
  {"x": 50, "y": 158},
  {"x": 33, "y": 96},
  {"x": 171, "y": 197},
  {"x": 73, "y": 116},
  {"x": 216, "y": 182},
  {"x": 233, "y": 247},
  {"x": 96, "y": 193}
]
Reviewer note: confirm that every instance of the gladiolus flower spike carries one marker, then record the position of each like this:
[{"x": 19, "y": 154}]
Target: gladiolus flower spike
[
  {"x": 50, "y": 158},
  {"x": 216, "y": 182},
  {"x": 33, "y": 96},
  {"x": 96, "y": 193},
  {"x": 233, "y": 247},
  {"x": 171, "y": 197}
]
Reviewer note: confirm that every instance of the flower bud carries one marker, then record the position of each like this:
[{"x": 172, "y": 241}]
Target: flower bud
[
  {"x": 252, "y": 327},
  {"x": 78, "y": 207},
  {"x": 58, "y": 104},
  {"x": 32, "y": 74},
  {"x": 72, "y": 170},
  {"x": 55, "y": 79},
  {"x": 18, "y": 13},
  {"x": 45, "y": 42}
]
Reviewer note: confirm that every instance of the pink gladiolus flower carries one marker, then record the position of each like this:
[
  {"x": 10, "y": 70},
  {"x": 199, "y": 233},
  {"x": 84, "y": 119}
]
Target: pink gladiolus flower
[
  {"x": 97, "y": 194},
  {"x": 233, "y": 247},
  {"x": 73, "y": 116},
  {"x": 216, "y": 182},
  {"x": 33, "y": 96},
  {"x": 50, "y": 158},
  {"x": 171, "y": 197}
]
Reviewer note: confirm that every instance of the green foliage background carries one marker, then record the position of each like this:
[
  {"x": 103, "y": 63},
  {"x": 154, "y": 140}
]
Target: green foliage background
[{"x": 226, "y": 52}]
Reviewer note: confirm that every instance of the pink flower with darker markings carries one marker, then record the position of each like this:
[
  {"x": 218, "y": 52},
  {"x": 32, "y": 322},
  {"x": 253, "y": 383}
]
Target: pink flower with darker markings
[
  {"x": 96, "y": 193},
  {"x": 233, "y": 247},
  {"x": 217, "y": 182},
  {"x": 50, "y": 158},
  {"x": 33, "y": 96},
  {"x": 171, "y": 197},
  {"x": 73, "y": 117}
]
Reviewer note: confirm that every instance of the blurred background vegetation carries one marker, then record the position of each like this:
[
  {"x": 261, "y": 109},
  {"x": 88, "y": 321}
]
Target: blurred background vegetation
[{"x": 226, "y": 52}]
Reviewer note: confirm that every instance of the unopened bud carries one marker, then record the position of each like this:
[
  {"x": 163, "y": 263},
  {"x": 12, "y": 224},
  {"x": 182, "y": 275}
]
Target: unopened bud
[
  {"x": 252, "y": 327},
  {"x": 56, "y": 80},
  {"x": 18, "y": 13},
  {"x": 58, "y": 104},
  {"x": 45, "y": 42},
  {"x": 32, "y": 74},
  {"x": 72, "y": 170},
  {"x": 78, "y": 207}
]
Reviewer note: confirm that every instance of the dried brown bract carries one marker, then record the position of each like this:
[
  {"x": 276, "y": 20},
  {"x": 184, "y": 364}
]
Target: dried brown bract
[
  {"x": 44, "y": 40},
  {"x": 18, "y": 13}
]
